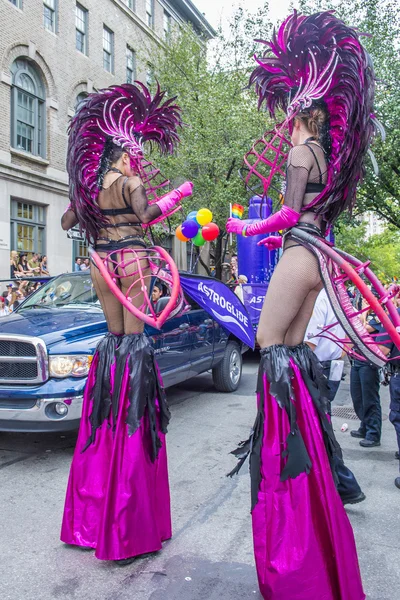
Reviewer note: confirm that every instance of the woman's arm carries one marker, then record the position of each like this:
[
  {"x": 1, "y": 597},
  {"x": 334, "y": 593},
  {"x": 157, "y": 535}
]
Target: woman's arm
[
  {"x": 299, "y": 164},
  {"x": 149, "y": 212},
  {"x": 68, "y": 220}
]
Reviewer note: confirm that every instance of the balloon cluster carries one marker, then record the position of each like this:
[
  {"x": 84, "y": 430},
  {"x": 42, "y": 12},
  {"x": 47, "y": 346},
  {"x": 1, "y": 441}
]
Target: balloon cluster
[{"x": 198, "y": 228}]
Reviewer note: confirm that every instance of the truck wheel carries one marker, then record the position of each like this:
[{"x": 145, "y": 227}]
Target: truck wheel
[{"x": 227, "y": 374}]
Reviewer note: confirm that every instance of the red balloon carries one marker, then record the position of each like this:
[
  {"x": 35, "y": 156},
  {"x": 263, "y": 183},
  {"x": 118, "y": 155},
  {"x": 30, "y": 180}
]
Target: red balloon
[{"x": 210, "y": 231}]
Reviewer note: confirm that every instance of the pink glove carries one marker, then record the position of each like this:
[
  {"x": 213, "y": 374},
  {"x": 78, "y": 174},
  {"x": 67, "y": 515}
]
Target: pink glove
[
  {"x": 235, "y": 226},
  {"x": 283, "y": 219},
  {"x": 169, "y": 200},
  {"x": 273, "y": 242}
]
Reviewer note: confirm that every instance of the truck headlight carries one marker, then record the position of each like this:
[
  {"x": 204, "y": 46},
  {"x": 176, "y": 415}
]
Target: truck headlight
[{"x": 69, "y": 365}]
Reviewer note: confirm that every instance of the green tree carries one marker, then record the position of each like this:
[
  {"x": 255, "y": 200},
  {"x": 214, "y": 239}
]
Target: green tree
[
  {"x": 221, "y": 114},
  {"x": 383, "y": 250}
]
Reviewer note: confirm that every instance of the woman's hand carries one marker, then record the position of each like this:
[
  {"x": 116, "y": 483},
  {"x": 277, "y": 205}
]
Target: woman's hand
[
  {"x": 272, "y": 242},
  {"x": 235, "y": 226}
]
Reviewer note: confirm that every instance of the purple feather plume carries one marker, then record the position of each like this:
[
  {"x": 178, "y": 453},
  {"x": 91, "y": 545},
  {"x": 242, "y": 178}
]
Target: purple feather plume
[
  {"x": 318, "y": 57},
  {"x": 128, "y": 115}
]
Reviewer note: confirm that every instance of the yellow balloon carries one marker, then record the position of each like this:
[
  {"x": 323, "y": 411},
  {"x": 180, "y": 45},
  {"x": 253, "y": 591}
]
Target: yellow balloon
[{"x": 204, "y": 216}]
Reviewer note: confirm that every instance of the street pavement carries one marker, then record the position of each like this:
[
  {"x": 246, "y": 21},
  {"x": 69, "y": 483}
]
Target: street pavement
[{"x": 210, "y": 556}]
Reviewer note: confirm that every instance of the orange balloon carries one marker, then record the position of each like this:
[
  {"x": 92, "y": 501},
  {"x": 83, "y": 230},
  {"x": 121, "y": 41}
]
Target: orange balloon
[{"x": 179, "y": 234}]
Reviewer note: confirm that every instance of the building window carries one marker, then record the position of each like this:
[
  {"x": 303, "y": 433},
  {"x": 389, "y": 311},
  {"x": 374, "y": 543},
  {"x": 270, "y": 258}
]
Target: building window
[
  {"x": 108, "y": 49},
  {"x": 130, "y": 4},
  {"x": 50, "y": 14},
  {"x": 149, "y": 75},
  {"x": 167, "y": 25},
  {"x": 81, "y": 29},
  {"x": 150, "y": 12},
  {"x": 28, "y": 114},
  {"x": 28, "y": 227},
  {"x": 79, "y": 99},
  {"x": 17, "y": 3},
  {"x": 130, "y": 65}
]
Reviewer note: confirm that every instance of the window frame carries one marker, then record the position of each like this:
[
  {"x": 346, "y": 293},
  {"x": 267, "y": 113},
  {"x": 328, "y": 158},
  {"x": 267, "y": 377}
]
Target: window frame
[
  {"x": 150, "y": 15},
  {"x": 17, "y": 3},
  {"x": 54, "y": 10},
  {"x": 39, "y": 102},
  {"x": 131, "y": 4},
  {"x": 129, "y": 69},
  {"x": 36, "y": 222},
  {"x": 84, "y": 33},
  {"x": 111, "y": 53},
  {"x": 167, "y": 18}
]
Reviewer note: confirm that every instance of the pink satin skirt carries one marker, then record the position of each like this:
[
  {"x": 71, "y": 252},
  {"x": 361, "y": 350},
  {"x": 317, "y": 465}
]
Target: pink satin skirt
[
  {"x": 117, "y": 499},
  {"x": 303, "y": 541}
]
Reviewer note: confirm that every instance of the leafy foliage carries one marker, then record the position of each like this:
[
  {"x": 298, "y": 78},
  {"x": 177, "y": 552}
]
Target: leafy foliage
[
  {"x": 383, "y": 250},
  {"x": 221, "y": 113}
]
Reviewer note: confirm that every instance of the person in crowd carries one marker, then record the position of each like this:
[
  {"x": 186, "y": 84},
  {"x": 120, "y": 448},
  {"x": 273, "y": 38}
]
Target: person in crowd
[
  {"x": 23, "y": 265},
  {"x": 4, "y": 311},
  {"x": 78, "y": 263},
  {"x": 34, "y": 264},
  {"x": 390, "y": 350},
  {"x": 14, "y": 298},
  {"x": 242, "y": 280},
  {"x": 85, "y": 264},
  {"x": 157, "y": 293},
  {"x": 327, "y": 351},
  {"x": 43, "y": 266},
  {"x": 330, "y": 356},
  {"x": 15, "y": 270},
  {"x": 364, "y": 390}
]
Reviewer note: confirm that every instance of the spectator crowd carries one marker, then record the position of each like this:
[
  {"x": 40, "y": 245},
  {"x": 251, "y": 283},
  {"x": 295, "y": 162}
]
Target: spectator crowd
[{"x": 22, "y": 270}]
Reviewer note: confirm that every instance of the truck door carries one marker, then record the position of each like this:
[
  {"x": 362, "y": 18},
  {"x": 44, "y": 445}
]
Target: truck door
[
  {"x": 172, "y": 347},
  {"x": 201, "y": 329}
]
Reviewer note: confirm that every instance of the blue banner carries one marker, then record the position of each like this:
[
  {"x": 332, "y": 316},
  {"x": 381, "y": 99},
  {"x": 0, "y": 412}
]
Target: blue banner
[
  {"x": 221, "y": 304},
  {"x": 253, "y": 299}
]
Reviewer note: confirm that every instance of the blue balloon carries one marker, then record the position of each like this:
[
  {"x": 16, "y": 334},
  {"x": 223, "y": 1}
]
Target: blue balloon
[
  {"x": 192, "y": 216},
  {"x": 190, "y": 229}
]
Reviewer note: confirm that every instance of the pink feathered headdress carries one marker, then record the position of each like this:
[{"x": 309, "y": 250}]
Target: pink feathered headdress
[
  {"x": 317, "y": 60},
  {"x": 126, "y": 115}
]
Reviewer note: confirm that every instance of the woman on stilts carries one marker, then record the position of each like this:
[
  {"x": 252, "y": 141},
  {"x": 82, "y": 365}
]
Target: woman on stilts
[
  {"x": 318, "y": 73},
  {"x": 118, "y": 498}
]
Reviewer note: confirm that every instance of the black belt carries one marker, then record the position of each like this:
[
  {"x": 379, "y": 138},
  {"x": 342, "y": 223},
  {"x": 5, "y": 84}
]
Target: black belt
[{"x": 115, "y": 245}]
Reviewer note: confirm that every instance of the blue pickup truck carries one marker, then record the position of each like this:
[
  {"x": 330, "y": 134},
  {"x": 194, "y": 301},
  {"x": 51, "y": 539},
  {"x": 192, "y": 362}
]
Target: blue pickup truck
[{"x": 47, "y": 344}]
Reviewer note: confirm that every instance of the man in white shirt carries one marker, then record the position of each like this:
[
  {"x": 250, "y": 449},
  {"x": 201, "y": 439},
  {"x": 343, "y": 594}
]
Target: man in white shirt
[{"x": 328, "y": 352}]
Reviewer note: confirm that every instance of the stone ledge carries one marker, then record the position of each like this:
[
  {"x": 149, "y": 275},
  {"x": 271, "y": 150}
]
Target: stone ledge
[{"x": 31, "y": 157}]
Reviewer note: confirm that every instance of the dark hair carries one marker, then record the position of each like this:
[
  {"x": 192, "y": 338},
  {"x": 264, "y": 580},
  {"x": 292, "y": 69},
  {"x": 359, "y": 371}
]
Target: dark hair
[
  {"x": 316, "y": 119},
  {"x": 111, "y": 154}
]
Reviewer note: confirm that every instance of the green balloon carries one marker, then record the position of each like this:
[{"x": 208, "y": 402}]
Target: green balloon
[{"x": 198, "y": 239}]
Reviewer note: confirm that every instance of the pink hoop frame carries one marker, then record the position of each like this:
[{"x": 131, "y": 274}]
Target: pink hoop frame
[{"x": 136, "y": 255}]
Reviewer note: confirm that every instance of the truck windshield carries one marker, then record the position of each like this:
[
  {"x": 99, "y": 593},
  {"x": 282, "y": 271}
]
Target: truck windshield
[{"x": 65, "y": 291}]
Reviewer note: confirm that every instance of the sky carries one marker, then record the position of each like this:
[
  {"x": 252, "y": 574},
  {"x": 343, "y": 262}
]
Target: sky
[{"x": 217, "y": 11}]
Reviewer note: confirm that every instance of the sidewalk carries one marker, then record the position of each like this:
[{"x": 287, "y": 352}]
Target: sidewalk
[{"x": 376, "y": 521}]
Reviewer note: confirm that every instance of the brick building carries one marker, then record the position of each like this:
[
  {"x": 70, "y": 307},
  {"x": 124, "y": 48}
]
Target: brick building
[{"x": 52, "y": 53}]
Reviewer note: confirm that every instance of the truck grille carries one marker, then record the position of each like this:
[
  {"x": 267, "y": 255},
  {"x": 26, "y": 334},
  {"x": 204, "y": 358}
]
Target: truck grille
[{"x": 22, "y": 360}]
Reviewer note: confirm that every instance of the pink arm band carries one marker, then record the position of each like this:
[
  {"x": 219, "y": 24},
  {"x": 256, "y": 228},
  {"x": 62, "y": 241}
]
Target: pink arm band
[
  {"x": 169, "y": 200},
  {"x": 283, "y": 219}
]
